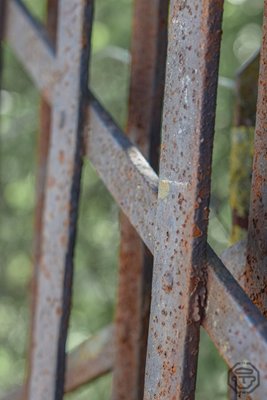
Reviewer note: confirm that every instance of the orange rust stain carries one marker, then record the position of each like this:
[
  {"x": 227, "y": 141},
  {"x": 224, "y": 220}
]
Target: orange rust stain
[
  {"x": 51, "y": 181},
  {"x": 196, "y": 231},
  {"x": 63, "y": 240},
  {"x": 61, "y": 156},
  {"x": 58, "y": 310}
]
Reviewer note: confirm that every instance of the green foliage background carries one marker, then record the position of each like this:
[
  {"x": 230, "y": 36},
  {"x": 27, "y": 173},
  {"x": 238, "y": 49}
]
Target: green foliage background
[{"x": 96, "y": 255}]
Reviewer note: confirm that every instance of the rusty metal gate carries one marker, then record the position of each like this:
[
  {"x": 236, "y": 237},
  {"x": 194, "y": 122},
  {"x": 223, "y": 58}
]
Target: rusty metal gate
[{"x": 169, "y": 211}]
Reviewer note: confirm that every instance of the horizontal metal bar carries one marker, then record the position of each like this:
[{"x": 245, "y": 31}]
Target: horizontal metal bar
[
  {"x": 90, "y": 360},
  {"x": 133, "y": 185},
  {"x": 30, "y": 42}
]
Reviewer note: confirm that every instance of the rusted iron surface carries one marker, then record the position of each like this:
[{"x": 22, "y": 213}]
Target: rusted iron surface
[
  {"x": 242, "y": 138},
  {"x": 179, "y": 275},
  {"x": 234, "y": 324},
  {"x": 41, "y": 174},
  {"x": 32, "y": 46},
  {"x": 234, "y": 258},
  {"x": 46, "y": 377},
  {"x": 255, "y": 275},
  {"x": 149, "y": 38},
  {"x": 139, "y": 175},
  {"x": 88, "y": 361},
  {"x": 123, "y": 169}
]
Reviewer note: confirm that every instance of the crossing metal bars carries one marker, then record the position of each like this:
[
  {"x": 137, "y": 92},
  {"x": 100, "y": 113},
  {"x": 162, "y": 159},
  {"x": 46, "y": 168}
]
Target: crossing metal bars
[{"x": 191, "y": 285}]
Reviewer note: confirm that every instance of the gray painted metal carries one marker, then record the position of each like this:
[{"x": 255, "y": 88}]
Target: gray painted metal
[
  {"x": 47, "y": 367},
  {"x": 32, "y": 46},
  {"x": 122, "y": 180},
  {"x": 123, "y": 169},
  {"x": 149, "y": 38},
  {"x": 179, "y": 275},
  {"x": 86, "y": 362},
  {"x": 62, "y": 78},
  {"x": 134, "y": 185},
  {"x": 233, "y": 322}
]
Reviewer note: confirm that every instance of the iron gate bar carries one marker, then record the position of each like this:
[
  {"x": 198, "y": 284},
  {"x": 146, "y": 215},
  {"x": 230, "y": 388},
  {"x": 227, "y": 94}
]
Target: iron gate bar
[
  {"x": 86, "y": 362},
  {"x": 32, "y": 46},
  {"x": 46, "y": 378},
  {"x": 149, "y": 38},
  {"x": 42, "y": 157},
  {"x": 179, "y": 274},
  {"x": 147, "y": 180},
  {"x": 123, "y": 169},
  {"x": 255, "y": 274},
  {"x": 140, "y": 182}
]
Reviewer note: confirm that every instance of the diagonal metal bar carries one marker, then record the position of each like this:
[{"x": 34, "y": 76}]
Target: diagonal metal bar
[
  {"x": 123, "y": 169},
  {"x": 179, "y": 275},
  {"x": 139, "y": 172},
  {"x": 234, "y": 324},
  {"x": 55, "y": 269},
  {"x": 32, "y": 46},
  {"x": 149, "y": 37},
  {"x": 133, "y": 185},
  {"x": 90, "y": 360},
  {"x": 255, "y": 274}
]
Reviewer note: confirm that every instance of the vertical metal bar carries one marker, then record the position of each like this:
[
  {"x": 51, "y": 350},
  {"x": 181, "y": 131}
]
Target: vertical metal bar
[
  {"x": 149, "y": 46},
  {"x": 55, "y": 269},
  {"x": 255, "y": 275},
  {"x": 43, "y": 141},
  {"x": 179, "y": 277},
  {"x": 42, "y": 157},
  {"x": 242, "y": 137}
]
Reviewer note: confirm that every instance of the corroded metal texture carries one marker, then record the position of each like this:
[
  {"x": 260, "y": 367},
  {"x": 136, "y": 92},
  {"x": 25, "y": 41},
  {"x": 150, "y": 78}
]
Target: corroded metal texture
[
  {"x": 179, "y": 275},
  {"x": 149, "y": 38},
  {"x": 123, "y": 169},
  {"x": 55, "y": 264},
  {"x": 255, "y": 275},
  {"x": 60, "y": 211},
  {"x": 86, "y": 362},
  {"x": 242, "y": 137},
  {"x": 132, "y": 172},
  {"x": 235, "y": 325},
  {"x": 42, "y": 161}
]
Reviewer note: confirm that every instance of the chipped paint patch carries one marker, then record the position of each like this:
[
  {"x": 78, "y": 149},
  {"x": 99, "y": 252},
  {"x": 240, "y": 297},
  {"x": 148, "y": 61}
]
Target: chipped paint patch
[{"x": 164, "y": 189}]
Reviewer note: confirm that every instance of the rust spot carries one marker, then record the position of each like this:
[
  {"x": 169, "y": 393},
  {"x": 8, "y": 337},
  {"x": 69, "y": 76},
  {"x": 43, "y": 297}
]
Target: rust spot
[
  {"x": 51, "y": 181},
  {"x": 61, "y": 156},
  {"x": 196, "y": 231},
  {"x": 58, "y": 310}
]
